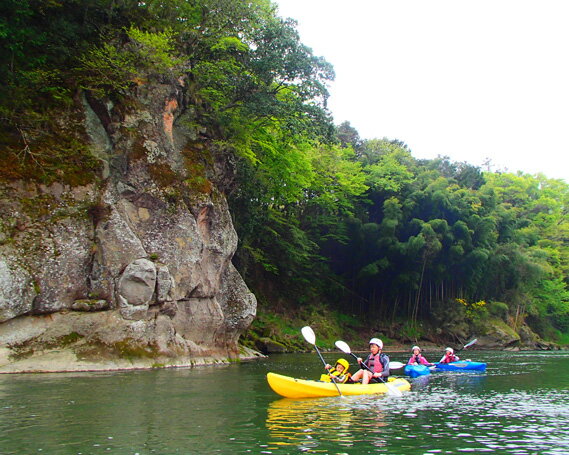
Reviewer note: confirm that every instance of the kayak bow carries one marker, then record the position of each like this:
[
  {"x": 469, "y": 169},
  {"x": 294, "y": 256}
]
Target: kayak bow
[{"x": 416, "y": 370}]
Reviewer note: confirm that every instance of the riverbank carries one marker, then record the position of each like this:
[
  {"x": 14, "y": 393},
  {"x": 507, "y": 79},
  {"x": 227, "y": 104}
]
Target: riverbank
[
  {"x": 65, "y": 361},
  {"x": 279, "y": 332}
]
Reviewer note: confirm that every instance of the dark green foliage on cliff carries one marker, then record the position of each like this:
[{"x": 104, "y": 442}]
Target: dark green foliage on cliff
[{"x": 246, "y": 71}]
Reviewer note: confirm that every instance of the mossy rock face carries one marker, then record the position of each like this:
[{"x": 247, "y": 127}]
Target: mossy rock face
[
  {"x": 124, "y": 349},
  {"x": 269, "y": 346},
  {"x": 498, "y": 334}
]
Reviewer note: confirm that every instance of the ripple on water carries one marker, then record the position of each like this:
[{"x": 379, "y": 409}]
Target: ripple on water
[{"x": 510, "y": 409}]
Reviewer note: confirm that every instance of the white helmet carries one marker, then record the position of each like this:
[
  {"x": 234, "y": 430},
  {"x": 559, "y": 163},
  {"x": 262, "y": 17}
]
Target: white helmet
[
  {"x": 451, "y": 350},
  {"x": 415, "y": 347},
  {"x": 377, "y": 342}
]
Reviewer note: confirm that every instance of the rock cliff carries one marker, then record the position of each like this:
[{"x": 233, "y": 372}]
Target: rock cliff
[{"x": 133, "y": 269}]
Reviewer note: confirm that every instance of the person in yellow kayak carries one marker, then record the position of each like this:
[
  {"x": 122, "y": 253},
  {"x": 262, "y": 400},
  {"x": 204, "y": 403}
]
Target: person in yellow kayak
[
  {"x": 338, "y": 373},
  {"x": 375, "y": 368}
]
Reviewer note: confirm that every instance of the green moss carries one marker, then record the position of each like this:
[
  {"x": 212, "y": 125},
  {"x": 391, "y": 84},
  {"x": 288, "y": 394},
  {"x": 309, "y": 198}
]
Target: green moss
[
  {"x": 125, "y": 349},
  {"x": 163, "y": 175},
  {"x": 131, "y": 350},
  {"x": 29, "y": 348},
  {"x": 496, "y": 324},
  {"x": 21, "y": 353},
  {"x": 71, "y": 338},
  {"x": 58, "y": 158},
  {"x": 196, "y": 160}
]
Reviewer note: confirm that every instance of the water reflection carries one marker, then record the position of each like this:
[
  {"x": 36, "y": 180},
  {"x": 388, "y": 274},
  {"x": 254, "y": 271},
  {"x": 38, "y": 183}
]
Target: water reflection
[
  {"x": 470, "y": 382},
  {"x": 420, "y": 382},
  {"x": 306, "y": 424}
]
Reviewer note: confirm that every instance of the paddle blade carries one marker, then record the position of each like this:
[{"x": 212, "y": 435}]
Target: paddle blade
[
  {"x": 343, "y": 346},
  {"x": 308, "y": 335},
  {"x": 396, "y": 365},
  {"x": 470, "y": 343},
  {"x": 393, "y": 391}
]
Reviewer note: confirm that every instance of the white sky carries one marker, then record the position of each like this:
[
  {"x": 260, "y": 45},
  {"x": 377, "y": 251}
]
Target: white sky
[{"x": 469, "y": 79}]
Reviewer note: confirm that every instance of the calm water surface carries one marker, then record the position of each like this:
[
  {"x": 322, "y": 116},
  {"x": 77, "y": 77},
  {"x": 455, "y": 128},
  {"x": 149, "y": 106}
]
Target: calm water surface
[{"x": 519, "y": 406}]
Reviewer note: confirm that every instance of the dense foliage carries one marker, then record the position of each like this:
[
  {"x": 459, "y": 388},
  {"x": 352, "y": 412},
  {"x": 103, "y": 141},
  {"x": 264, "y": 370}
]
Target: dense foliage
[
  {"x": 426, "y": 240},
  {"x": 322, "y": 215}
]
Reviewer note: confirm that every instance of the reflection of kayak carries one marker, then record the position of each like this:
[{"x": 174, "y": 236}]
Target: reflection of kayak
[
  {"x": 460, "y": 366},
  {"x": 416, "y": 370},
  {"x": 305, "y": 388}
]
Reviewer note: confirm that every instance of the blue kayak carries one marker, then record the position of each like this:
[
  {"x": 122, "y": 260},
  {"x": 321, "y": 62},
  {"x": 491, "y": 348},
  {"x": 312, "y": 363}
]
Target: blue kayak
[
  {"x": 416, "y": 370},
  {"x": 461, "y": 366}
]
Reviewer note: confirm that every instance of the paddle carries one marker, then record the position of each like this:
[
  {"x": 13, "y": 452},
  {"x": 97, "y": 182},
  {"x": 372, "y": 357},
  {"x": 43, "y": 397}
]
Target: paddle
[
  {"x": 343, "y": 346},
  {"x": 310, "y": 337},
  {"x": 466, "y": 346},
  {"x": 396, "y": 365}
]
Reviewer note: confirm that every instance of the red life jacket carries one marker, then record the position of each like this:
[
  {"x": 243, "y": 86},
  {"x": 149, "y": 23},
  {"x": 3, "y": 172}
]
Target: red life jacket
[
  {"x": 373, "y": 362},
  {"x": 450, "y": 358}
]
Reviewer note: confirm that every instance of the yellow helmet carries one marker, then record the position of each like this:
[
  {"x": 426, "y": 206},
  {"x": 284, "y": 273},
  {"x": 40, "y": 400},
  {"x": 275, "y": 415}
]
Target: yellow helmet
[{"x": 344, "y": 363}]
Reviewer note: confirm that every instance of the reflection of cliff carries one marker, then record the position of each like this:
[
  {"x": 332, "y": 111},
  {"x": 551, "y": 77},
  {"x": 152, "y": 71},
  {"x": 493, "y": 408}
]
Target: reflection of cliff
[
  {"x": 137, "y": 266},
  {"x": 305, "y": 424}
]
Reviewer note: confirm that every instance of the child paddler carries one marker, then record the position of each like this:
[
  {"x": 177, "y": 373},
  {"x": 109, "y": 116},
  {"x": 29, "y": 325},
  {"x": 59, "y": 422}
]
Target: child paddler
[
  {"x": 449, "y": 356},
  {"x": 338, "y": 373},
  {"x": 376, "y": 361},
  {"x": 417, "y": 358}
]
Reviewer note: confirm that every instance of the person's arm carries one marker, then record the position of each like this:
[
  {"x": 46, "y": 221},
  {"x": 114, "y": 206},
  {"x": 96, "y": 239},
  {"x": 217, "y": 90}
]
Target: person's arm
[
  {"x": 424, "y": 361},
  {"x": 410, "y": 362},
  {"x": 385, "y": 362}
]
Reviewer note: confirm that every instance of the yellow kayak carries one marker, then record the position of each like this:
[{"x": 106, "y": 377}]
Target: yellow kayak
[{"x": 304, "y": 388}]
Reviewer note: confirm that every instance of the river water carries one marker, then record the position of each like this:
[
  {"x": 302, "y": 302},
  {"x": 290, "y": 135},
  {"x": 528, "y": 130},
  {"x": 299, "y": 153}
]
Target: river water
[{"x": 519, "y": 406}]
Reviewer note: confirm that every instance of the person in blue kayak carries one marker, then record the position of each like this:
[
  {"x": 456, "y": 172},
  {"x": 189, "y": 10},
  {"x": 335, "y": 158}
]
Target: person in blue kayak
[
  {"x": 338, "y": 373},
  {"x": 449, "y": 356},
  {"x": 417, "y": 358},
  {"x": 377, "y": 364}
]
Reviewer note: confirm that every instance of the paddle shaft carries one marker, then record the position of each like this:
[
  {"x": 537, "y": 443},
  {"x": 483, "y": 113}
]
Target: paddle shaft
[
  {"x": 369, "y": 369},
  {"x": 391, "y": 387},
  {"x": 324, "y": 363}
]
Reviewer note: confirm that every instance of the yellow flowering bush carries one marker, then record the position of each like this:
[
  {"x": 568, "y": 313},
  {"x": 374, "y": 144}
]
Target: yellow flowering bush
[{"x": 474, "y": 310}]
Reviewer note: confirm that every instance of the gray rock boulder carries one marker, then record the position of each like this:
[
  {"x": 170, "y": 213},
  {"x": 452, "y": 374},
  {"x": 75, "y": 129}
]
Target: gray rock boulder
[
  {"x": 16, "y": 290},
  {"x": 136, "y": 288}
]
